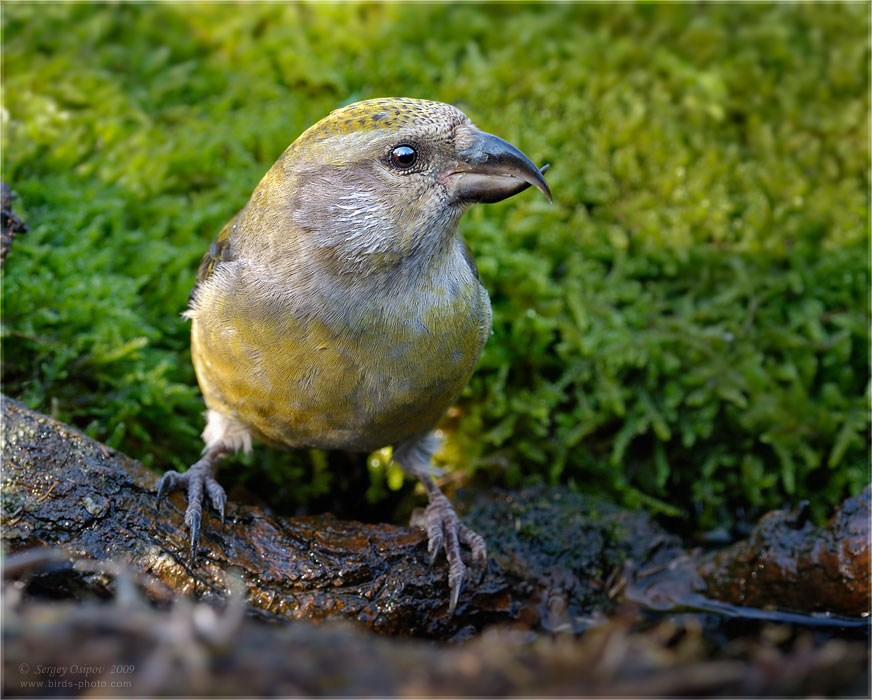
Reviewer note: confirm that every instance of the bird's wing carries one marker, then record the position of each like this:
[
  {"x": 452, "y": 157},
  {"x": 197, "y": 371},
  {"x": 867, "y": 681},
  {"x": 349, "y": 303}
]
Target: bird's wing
[{"x": 221, "y": 250}]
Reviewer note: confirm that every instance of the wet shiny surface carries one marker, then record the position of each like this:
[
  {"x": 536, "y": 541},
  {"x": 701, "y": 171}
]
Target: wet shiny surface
[{"x": 63, "y": 489}]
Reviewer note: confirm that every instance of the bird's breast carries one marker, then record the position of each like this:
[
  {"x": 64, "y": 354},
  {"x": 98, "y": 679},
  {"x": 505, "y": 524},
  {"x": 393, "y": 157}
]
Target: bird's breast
[{"x": 336, "y": 371}]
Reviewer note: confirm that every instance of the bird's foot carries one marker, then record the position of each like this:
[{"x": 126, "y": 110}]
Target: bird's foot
[
  {"x": 199, "y": 479},
  {"x": 445, "y": 531}
]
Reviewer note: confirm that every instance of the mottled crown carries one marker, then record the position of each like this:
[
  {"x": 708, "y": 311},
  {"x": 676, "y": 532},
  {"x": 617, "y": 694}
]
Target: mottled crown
[{"x": 382, "y": 113}]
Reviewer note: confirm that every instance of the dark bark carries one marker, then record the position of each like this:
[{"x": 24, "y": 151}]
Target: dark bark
[
  {"x": 554, "y": 554},
  {"x": 788, "y": 562},
  {"x": 80, "y": 524},
  {"x": 63, "y": 489},
  {"x": 787, "y": 565}
]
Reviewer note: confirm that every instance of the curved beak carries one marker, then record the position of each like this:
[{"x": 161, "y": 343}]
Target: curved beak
[{"x": 489, "y": 169}]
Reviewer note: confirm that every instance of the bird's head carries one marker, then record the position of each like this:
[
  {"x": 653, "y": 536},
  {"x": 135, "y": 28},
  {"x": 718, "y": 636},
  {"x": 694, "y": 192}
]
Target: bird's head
[{"x": 383, "y": 181}]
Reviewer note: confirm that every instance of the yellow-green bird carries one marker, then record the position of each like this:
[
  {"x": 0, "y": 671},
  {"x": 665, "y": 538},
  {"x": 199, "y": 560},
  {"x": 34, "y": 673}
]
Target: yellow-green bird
[{"x": 340, "y": 309}]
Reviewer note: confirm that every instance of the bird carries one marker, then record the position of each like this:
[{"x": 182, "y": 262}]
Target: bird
[{"x": 340, "y": 309}]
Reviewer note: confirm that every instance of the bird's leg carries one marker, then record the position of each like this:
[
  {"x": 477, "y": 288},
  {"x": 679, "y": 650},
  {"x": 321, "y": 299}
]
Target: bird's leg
[
  {"x": 439, "y": 519},
  {"x": 199, "y": 478},
  {"x": 446, "y": 531}
]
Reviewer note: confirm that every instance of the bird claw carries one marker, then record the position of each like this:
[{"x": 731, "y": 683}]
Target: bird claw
[
  {"x": 197, "y": 480},
  {"x": 217, "y": 497},
  {"x": 446, "y": 532},
  {"x": 168, "y": 483},
  {"x": 193, "y": 519}
]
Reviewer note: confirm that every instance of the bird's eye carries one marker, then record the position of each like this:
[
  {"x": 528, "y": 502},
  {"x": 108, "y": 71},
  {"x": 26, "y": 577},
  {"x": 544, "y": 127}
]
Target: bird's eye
[{"x": 404, "y": 156}]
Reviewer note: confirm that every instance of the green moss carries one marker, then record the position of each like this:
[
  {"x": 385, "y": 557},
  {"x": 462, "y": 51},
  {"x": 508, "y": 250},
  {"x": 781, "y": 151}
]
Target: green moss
[{"x": 685, "y": 328}]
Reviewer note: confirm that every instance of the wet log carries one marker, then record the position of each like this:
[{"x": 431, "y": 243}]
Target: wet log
[
  {"x": 551, "y": 551},
  {"x": 787, "y": 562},
  {"x": 787, "y": 570},
  {"x": 556, "y": 558},
  {"x": 80, "y": 525},
  {"x": 63, "y": 489}
]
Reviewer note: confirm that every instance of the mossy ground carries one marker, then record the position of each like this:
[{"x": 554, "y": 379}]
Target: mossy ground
[{"x": 686, "y": 327}]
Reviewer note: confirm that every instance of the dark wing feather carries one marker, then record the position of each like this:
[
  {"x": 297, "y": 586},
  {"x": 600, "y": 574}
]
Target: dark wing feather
[{"x": 221, "y": 250}]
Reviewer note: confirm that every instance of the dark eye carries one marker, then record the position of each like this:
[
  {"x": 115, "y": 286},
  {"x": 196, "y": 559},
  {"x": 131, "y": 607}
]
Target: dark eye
[{"x": 404, "y": 156}]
